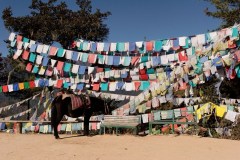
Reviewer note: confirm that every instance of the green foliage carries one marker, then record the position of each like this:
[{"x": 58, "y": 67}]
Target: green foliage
[
  {"x": 51, "y": 21},
  {"x": 229, "y": 12},
  {"x": 226, "y": 10},
  {"x": 208, "y": 91},
  {"x": 230, "y": 89},
  {"x": 235, "y": 131}
]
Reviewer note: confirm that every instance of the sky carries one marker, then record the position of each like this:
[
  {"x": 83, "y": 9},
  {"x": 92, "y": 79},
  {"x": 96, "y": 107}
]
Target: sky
[{"x": 132, "y": 20}]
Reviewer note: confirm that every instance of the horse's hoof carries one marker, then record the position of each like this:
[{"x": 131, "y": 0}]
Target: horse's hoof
[{"x": 57, "y": 137}]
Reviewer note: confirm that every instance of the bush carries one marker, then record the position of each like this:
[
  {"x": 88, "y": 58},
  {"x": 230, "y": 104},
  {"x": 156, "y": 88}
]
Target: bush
[{"x": 235, "y": 134}]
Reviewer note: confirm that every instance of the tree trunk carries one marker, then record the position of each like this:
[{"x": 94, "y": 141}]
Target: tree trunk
[{"x": 10, "y": 74}]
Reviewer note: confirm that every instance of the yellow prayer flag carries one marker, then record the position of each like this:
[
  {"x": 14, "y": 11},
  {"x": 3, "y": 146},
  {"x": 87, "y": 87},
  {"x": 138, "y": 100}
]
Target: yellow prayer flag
[
  {"x": 220, "y": 111},
  {"x": 21, "y": 86}
]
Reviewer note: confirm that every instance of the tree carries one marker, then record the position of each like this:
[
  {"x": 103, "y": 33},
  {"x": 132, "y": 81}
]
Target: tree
[
  {"x": 49, "y": 21},
  {"x": 226, "y": 10},
  {"x": 229, "y": 12}
]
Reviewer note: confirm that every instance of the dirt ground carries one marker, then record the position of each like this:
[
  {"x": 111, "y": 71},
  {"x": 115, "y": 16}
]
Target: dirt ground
[{"x": 112, "y": 147}]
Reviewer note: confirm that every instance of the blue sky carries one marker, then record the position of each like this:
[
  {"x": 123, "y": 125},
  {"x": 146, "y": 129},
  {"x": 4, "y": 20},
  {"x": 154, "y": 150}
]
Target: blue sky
[{"x": 132, "y": 20}]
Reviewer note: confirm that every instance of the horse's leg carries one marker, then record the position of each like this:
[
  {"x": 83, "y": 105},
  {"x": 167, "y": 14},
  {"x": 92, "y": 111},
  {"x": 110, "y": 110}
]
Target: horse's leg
[
  {"x": 54, "y": 121},
  {"x": 87, "y": 116},
  {"x": 56, "y": 117}
]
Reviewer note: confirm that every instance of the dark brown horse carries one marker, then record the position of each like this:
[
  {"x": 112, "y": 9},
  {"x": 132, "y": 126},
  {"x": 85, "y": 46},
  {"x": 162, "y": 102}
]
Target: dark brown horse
[{"x": 61, "y": 107}]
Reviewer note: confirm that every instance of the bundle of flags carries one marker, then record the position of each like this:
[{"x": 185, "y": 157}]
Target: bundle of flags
[
  {"x": 17, "y": 104},
  {"x": 180, "y": 63},
  {"x": 23, "y": 85}
]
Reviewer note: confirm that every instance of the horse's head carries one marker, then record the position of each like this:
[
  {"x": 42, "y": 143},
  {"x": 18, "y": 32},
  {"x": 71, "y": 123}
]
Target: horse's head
[
  {"x": 109, "y": 105},
  {"x": 106, "y": 106}
]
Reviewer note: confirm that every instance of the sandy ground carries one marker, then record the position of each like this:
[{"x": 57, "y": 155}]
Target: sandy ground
[{"x": 112, "y": 147}]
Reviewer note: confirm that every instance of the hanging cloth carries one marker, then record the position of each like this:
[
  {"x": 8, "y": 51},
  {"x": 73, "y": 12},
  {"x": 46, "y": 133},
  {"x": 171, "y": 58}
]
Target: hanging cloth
[
  {"x": 93, "y": 46},
  {"x": 106, "y": 47},
  {"x": 101, "y": 59},
  {"x": 5, "y": 88},
  {"x": 127, "y": 61},
  {"x": 96, "y": 86},
  {"x": 75, "y": 68},
  {"x": 120, "y": 47},
  {"x": 86, "y": 46},
  {"x": 45, "y": 61},
  {"x": 68, "y": 54},
  {"x": 75, "y": 56},
  {"x": 104, "y": 86},
  {"x": 182, "y": 56},
  {"x": 132, "y": 46},
  {"x": 17, "y": 54},
  {"x": 100, "y": 46},
  {"x": 60, "y": 65},
  {"x": 15, "y": 87},
  {"x": 49, "y": 71},
  {"x": 21, "y": 86},
  {"x": 135, "y": 60},
  {"x": 25, "y": 55},
  {"x": 92, "y": 58},
  {"x": 29, "y": 67},
  {"x": 35, "y": 69},
  {"x": 61, "y": 52},
  {"x": 84, "y": 57},
  {"x": 116, "y": 60},
  {"x": 67, "y": 67},
  {"x": 59, "y": 83},
  {"x": 32, "y": 57},
  {"x": 126, "y": 45},
  {"x": 149, "y": 46},
  {"x": 82, "y": 70},
  {"x": 11, "y": 36},
  {"x": 113, "y": 47},
  {"x": 39, "y": 59},
  {"x": 52, "y": 51},
  {"x": 45, "y": 49},
  {"x": 109, "y": 60}
]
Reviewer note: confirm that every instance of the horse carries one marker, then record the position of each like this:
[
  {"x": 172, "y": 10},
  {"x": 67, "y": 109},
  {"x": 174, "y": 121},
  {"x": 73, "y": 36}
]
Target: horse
[{"x": 61, "y": 107}]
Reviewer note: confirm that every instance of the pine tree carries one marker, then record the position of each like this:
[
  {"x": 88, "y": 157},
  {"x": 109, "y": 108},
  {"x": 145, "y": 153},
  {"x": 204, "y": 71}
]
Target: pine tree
[
  {"x": 226, "y": 10},
  {"x": 51, "y": 21}
]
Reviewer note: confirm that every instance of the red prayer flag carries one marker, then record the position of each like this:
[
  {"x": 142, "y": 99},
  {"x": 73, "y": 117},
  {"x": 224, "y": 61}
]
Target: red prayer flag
[
  {"x": 31, "y": 84},
  {"x": 19, "y": 38},
  {"x": 91, "y": 58},
  {"x": 99, "y": 69},
  {"x": 134, "y": 60},
  {"x": 59, "y": 83},
  {"x": 29, "y": 67},
  {"x": 137, "y": 85},
  {"x": 142, "y": 71},
  {"x": 52, "y": 51},
  {"x": 5, "y": 88},
  {"x": 25, "y": 55},
  {"x": 149, "y": 46},
  {"x": 96, "y": 86},
  {"x": 143, "y": 77},
  {"x": 60, "y": 65},
  {"x": 182, "y": 56}
]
